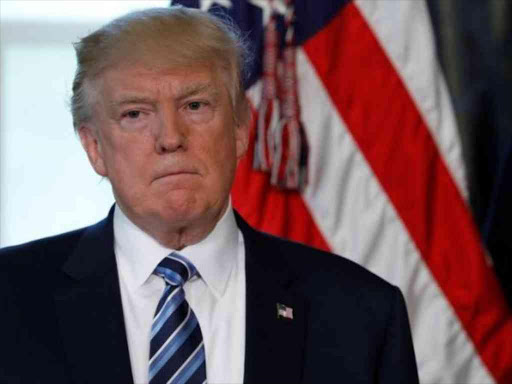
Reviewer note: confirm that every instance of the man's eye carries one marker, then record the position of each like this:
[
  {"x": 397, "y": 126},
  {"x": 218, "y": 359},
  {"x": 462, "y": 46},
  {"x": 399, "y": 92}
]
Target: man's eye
[
  {"x": 195, "y": 105},
  {"x": 132, "y": 114}
]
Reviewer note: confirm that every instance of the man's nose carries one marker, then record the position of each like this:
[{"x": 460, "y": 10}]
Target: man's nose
[{"x": 171, "y": 133}]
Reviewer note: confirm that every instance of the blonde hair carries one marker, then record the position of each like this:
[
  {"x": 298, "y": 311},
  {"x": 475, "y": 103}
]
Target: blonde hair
[{"x": 180, "y": 36}]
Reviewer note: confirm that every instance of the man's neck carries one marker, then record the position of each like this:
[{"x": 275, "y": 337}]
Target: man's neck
[{"x": 178, "y": 235}]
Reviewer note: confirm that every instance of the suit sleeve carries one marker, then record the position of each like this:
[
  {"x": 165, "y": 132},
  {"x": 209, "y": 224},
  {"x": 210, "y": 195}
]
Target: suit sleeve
[{"x": 398, "y": 362}]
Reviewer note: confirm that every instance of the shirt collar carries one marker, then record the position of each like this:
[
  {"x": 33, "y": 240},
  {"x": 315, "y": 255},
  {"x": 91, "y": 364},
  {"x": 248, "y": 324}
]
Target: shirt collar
[{"x": 138, "y": 254}]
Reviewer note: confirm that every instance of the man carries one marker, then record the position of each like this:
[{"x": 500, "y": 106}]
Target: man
[{"x": 159, "y": 106}]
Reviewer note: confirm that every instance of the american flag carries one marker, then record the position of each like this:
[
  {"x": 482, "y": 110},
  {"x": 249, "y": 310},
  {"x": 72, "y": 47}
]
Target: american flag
[
  {"x": 385, "y": 178},
  {"x": 284, "y": 311}
]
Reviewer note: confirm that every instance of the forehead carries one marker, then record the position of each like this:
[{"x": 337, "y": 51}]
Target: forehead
[{"x": 117, "y": 81}]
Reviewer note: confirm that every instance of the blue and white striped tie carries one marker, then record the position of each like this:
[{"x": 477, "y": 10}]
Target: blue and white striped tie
[{"x": 176, "y": 350}]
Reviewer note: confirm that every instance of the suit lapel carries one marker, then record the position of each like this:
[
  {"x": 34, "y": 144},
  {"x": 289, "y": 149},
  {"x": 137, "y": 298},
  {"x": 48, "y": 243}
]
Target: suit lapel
[
  {"x": 90, "y": 312},
  {"x": 274, "y": 344}
]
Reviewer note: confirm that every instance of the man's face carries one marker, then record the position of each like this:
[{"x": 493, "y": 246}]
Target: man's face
[{"x": 168, "y": 143}]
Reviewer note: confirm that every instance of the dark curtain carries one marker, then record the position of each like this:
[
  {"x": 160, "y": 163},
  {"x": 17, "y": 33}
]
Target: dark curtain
[{"x": 474, "y": 40}]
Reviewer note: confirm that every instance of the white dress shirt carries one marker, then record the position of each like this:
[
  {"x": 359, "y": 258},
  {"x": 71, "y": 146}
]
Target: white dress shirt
[{"x": 217, "y": 297}]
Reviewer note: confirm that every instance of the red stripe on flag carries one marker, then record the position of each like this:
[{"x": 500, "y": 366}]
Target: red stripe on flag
[
  {"x": 282, "y": 213},
  {"x": 396, "y": 142}
]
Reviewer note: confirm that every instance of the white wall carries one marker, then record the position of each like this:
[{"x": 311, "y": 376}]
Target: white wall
[{"x": 46, "y": 183}]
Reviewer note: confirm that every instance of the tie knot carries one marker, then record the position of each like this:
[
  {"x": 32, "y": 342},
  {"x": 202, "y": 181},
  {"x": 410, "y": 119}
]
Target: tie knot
[{"x": 175, "y": 269}]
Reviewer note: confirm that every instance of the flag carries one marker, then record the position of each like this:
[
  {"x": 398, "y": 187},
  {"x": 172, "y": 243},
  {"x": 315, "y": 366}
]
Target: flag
[
  {"x": 284, "y": 312},
  {"x": 385, "y": 181}
]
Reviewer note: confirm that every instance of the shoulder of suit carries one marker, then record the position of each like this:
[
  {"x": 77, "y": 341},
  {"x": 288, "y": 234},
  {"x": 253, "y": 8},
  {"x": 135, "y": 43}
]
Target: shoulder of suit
[
  {"x": 40, "y": 253},
  {"x": 320, "y": 270},
  {"x": 313, "y": 259}
]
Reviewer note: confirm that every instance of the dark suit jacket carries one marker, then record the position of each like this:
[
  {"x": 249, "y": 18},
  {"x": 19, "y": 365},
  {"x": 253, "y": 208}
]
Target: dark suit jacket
[{"x": 61, "y": 318}]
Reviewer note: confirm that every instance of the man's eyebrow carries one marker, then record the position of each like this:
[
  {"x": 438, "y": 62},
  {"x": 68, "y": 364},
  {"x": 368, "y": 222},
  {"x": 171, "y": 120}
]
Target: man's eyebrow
[
  {"x": 195, "y": 89},
  {"x": 185, "y": 92},
  {"x": 132, "y": 99}
]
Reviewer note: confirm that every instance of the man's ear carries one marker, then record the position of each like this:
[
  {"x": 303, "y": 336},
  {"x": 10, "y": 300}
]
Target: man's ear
[
  {"x": 242, "y": 139},
  {"x": 92, "y": 145},
  {"x": 242, "y": 129}
]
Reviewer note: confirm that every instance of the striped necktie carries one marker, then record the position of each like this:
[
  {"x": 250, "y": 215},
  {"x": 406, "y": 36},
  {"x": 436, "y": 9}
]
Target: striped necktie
[{"x": 176, "y": 350}]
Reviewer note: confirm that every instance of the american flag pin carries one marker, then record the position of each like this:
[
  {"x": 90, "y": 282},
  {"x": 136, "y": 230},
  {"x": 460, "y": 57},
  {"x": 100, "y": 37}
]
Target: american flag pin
[{"x": 284, "y": 312}]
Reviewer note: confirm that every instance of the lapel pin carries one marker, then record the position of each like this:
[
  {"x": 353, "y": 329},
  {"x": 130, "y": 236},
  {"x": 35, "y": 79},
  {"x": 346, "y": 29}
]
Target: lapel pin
[{"x": 284, "y": 312}]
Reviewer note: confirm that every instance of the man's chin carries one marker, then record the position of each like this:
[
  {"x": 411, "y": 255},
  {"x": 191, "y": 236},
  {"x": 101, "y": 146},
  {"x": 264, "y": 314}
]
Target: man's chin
[{"x": 188, "y": 213}]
